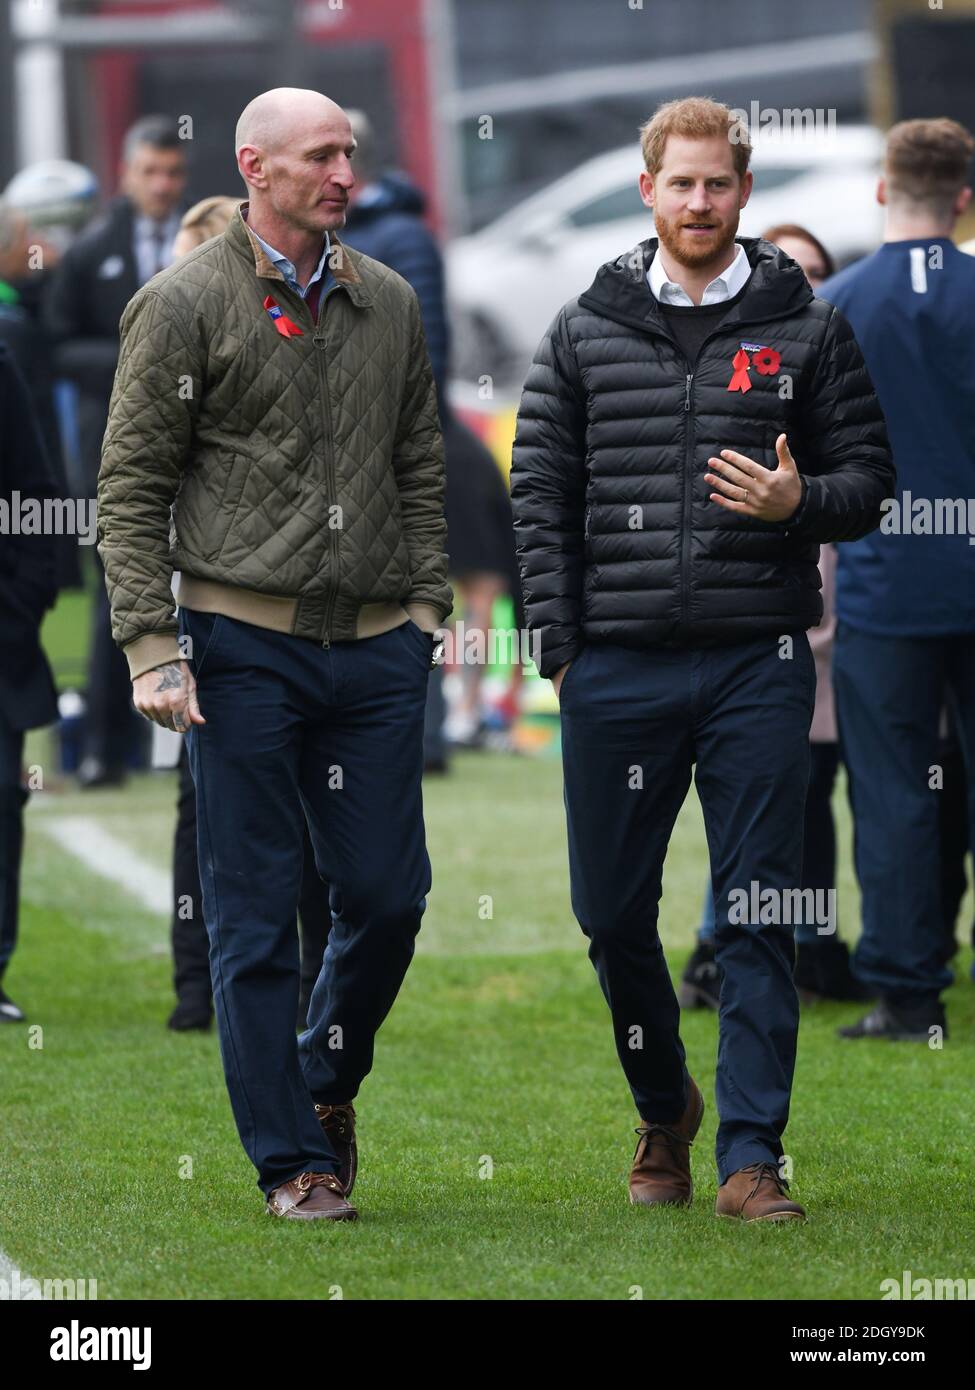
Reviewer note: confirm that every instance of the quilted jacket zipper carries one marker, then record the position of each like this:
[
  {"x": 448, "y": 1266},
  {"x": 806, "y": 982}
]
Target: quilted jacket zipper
[
  {"x": 333, "y": 545},
  {"x": 685, "y": 532}
]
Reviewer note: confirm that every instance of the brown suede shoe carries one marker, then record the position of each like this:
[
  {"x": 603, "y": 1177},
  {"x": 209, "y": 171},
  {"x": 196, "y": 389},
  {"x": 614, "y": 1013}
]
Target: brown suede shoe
[
  {"x": 338, "y": 1122},
  {"x": 311, "y": 1197},
  {"x": 661, "y": 1172},
  {"x": 757, "y": 1193}
]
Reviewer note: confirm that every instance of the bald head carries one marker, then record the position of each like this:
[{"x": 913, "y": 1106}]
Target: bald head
[
  {"x": 294, "y": 149},
  {"x": 284, "y": 116}
]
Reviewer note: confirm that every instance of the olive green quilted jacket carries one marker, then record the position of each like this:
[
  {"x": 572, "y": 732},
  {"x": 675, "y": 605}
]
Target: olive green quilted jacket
[{"x": 295, "y": 481}]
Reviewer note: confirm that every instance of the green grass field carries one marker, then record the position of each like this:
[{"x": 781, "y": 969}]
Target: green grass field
[
  {"x": 498, "y": 1057},
  {"x": 499, "y": 1049}
]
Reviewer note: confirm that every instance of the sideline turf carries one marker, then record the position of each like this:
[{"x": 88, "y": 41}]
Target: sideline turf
[{"x": 497, "y": 1058}]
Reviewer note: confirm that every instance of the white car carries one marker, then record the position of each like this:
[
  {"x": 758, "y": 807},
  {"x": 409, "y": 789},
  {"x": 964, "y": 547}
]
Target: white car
[{"x": 507, "y": 281}]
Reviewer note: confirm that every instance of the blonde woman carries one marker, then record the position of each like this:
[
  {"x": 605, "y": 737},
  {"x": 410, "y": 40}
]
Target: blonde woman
[{"x": 205, "y": 219}]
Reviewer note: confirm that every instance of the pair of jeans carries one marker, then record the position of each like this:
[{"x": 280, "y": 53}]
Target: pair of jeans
[
  {"x": 333, "y": 735},
  {"x": 635, "y": 724},
  {"x": 890, "y": 692}
]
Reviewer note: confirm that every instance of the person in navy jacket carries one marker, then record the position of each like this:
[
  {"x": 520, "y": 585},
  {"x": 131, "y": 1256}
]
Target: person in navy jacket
[{"x": 905, "y": 642}]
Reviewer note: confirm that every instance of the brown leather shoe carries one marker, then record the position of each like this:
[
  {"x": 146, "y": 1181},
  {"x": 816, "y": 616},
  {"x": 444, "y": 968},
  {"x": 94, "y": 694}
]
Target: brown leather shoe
[
  {"x": 311, "y": 1197},
  {"x": 338, "y": 1122},
  {"x": 661, "y": 1172},
  {"x": 757, "y": 1193}
]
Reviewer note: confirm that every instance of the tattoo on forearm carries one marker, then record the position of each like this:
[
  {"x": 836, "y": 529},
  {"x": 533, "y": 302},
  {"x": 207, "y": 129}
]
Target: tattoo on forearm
[{"x": 170, "y": 677}]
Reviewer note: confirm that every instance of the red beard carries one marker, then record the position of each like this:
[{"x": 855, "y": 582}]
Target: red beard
[{"x": 685, "y": 251}]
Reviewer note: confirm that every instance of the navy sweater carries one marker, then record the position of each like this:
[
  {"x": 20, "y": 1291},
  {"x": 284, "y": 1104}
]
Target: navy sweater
[{"x": 912, "y": 307}]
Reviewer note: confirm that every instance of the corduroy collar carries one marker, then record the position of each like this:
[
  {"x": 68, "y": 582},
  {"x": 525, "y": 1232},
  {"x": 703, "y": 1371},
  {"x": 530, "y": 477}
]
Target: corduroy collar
[{"x": 341, "y": 261}]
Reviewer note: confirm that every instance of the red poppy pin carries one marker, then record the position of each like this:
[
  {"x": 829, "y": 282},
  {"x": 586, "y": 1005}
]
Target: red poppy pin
[
  {"x": 282, "y": 323},
  {"x": 765, "y": 360}
]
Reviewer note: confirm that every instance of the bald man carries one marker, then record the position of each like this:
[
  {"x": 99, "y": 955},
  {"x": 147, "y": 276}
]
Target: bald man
[{"x": 275, "y": 396}]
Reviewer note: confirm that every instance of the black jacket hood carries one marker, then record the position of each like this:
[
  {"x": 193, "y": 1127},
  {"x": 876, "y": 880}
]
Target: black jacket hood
[{"x": 620, "y": 290}]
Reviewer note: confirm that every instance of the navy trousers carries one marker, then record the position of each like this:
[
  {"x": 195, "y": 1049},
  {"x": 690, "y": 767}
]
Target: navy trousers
[
  {"x": 818, "y": 844},
  {"x": 335, "y": 735},
  {"x": 890, "y": 693},
  {"x": 634, "y": 724}
]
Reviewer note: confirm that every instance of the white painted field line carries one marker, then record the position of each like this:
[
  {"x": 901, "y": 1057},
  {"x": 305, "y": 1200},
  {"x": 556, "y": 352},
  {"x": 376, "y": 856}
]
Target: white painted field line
[
  {"x": 109, "y": 857},
  {"x": 112, "y": 858}
]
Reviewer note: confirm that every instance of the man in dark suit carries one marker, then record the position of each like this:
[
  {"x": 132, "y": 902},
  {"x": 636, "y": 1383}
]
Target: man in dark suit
[
  {"x": 94, "y": 281},
  {"x": 27, "y": 588}
]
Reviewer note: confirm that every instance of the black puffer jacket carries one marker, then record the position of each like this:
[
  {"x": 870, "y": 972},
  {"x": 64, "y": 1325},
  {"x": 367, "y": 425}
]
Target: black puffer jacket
[{"x": 617, "y": 538}]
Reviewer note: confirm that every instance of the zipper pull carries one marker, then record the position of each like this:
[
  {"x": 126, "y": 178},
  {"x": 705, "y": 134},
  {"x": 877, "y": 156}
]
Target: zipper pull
[{"x": 687, "y": 390}]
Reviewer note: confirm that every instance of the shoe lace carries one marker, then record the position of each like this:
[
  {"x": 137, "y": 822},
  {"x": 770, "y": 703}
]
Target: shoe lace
[
  {"x": 306, "y": 1181},
  {"x": 344, "y": 1114},
  {"x": 765, "y": 1172},
  {"x": 655, "y": 1131}
]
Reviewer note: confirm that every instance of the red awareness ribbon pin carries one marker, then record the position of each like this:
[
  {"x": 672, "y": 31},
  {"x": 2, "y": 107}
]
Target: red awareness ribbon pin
[
  {"x": 282, "y": 323},
  {"x": 739, "y": 380}
]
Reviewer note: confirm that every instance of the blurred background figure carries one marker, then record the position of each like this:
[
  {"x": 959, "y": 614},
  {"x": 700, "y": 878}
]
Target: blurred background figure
[
  {"x": 23, "y": 335},
  {"x": 56, "y": 198},
  {"x": 90, "y": 287},
  {"x": 905, "y": 640},
  {"x": 385, "y": 222},
  {"x": 45, "y": 207},
  {"x": 20, "y": 331},
  {"x": 28, "y": 587},
  {"x": 822, "y": 961},
  {"x": 805, "y": 249},
  {"x": 205, "y": 219}
]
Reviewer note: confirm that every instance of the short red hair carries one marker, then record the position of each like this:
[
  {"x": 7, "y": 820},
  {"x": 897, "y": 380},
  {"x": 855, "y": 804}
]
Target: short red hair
[{"x": 694, "y": 118}]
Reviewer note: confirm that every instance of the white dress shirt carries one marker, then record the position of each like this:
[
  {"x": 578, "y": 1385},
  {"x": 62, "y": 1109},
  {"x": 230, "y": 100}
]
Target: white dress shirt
[
  {"x": 722, "y": 287},
  {"x": 153, "y": 244}
]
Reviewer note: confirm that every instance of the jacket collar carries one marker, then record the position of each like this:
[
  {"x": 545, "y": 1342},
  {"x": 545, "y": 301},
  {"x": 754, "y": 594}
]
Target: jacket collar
[
  {"x": 620, "y": 291},
  {"x": 343, "y": 266}
]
